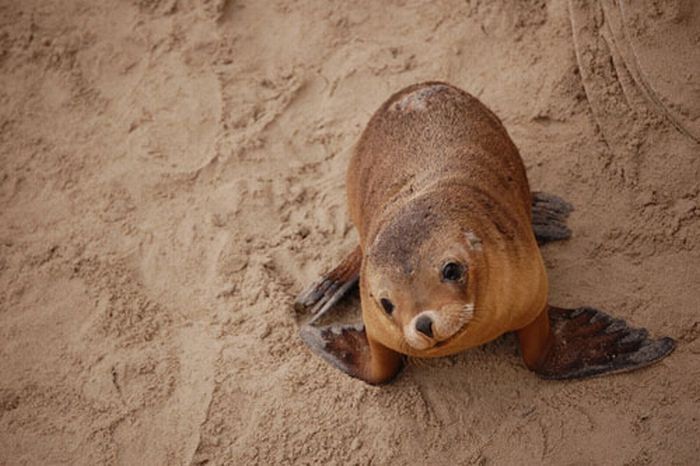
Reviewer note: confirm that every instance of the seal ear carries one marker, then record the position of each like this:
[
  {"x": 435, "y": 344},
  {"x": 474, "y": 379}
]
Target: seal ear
[{"x": 473, "y": 241}]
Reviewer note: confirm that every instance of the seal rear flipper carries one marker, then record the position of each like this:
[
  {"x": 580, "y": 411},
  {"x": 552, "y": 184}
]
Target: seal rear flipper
[
  {"x": 321, "y": 295},
  {"x": 586, "y": 342},
  {"x": 348, "y": 348},
  {"x": 549, "y": 214}
]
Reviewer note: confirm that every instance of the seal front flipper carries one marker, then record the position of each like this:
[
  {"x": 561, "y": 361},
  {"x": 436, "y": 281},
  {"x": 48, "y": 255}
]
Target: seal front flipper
[
  {"x": 549, "y": 214},
  {"x": 586, "y": 342},
  {"x": 318, "y": 298},
  {"x": 348, "y": 348}
]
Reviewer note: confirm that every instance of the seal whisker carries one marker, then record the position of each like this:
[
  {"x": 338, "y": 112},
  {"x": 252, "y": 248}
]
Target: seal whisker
[{"x": 452, "y": 318}]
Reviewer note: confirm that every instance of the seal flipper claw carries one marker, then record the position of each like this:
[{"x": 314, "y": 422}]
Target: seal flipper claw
[
  {"x": 586, "y": 342},
  {"x": 318, "y": 298},
  {"x": 549, "y": 214},
  {"x": 348, "y": 348}
]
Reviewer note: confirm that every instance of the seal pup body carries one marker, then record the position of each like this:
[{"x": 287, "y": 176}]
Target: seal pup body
[
  {"x": 448, "y": 256},
  {"x": 456, "y": 186}
]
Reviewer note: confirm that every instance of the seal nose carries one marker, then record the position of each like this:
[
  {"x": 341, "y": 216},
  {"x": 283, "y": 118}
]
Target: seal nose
[{"x": 424, "y": 325}]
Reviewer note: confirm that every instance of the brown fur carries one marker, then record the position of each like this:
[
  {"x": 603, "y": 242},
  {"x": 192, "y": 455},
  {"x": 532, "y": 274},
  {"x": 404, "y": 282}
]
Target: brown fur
[{"x": 432, "y": 165}]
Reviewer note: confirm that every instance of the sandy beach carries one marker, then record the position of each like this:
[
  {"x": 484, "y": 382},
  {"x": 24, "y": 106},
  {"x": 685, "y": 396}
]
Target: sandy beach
[{"x": 172, "y": 175}]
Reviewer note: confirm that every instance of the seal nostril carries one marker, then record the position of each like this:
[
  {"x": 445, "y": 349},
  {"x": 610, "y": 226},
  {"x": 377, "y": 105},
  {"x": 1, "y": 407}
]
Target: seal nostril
[{"x": 424, "y": 325}]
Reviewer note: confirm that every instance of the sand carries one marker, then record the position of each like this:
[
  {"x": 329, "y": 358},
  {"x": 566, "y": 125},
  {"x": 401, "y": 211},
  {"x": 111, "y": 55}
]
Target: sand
[{"x": 172, "y": 175}]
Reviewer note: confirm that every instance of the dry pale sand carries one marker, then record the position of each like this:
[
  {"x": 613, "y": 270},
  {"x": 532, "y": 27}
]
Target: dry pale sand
[{"x": 172, "y": 175}]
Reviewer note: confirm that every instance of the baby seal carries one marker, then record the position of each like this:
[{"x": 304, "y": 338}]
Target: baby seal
[{"x": 449, "y": 256}]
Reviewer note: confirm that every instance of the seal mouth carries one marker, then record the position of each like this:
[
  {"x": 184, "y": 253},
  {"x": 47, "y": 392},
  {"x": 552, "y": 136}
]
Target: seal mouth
[
  {"x": 436, "y": 329},
  {"x": 446, "y": 341},
  {"x": 418, "y": 341},
  {"x": 442, "y": 343},
  {"x": 432, "y": 343}
]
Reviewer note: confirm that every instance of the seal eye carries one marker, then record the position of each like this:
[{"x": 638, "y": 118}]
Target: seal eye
[
  {"x": 452, "y": 272},
  {"x": 387, "y": 305}
]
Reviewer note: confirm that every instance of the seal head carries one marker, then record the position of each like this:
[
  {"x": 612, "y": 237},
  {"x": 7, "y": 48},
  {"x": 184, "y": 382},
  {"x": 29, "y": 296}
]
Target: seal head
[{"x": 422, "y": 273}]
